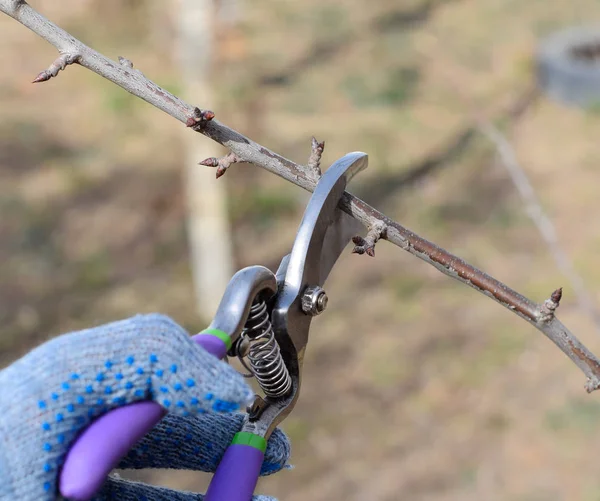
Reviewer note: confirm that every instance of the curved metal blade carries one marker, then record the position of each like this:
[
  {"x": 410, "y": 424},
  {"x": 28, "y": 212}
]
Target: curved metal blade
[
  {"x": 322, "y": 217},
  {"x": 324, "y": 232}
]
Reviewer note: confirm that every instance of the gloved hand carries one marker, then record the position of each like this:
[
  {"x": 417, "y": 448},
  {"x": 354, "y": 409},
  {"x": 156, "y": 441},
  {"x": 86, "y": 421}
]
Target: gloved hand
[{"x": 51, "y": 394}]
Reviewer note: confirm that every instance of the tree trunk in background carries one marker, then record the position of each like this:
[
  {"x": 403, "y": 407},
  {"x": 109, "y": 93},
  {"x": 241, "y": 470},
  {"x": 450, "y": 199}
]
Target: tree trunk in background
[{"x": 208, "y": 224}]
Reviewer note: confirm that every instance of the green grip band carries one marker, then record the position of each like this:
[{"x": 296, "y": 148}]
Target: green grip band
[
  {"x": 223, "y": 336},
  {"x": 247, "y": 438}
]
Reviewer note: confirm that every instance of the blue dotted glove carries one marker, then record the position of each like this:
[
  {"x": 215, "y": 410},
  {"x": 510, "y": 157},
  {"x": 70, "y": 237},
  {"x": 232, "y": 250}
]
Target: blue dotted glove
[{"x": 51, "y": 394}]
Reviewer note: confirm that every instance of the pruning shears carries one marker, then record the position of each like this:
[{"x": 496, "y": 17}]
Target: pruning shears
[{"x": 263, "y": 319}]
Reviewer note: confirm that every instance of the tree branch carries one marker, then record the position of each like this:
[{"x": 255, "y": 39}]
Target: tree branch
[
  {"x": 508, "y": 158},
  {"x": 246, "y": 150}
]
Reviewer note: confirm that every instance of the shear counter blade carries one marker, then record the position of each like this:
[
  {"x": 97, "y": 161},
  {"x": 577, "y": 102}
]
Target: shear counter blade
[{"x": 320, "y": 218}]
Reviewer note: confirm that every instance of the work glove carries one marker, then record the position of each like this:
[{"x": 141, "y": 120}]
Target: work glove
[{"x": 51, "y": 394}]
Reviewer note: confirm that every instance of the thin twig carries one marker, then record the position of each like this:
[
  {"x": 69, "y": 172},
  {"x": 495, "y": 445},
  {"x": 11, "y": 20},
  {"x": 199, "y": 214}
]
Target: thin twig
[
  {"x": 316, "y": 152},
  {"x": 247, "y": 150},
  {"x": 60, "y": 63},
  {"x": 367, "y": 245},
  {"x": 222, "y": 164}
]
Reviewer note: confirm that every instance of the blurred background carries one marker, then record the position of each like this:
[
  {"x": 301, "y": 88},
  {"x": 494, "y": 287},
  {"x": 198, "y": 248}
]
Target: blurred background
[{"x": 415, "y": 386}]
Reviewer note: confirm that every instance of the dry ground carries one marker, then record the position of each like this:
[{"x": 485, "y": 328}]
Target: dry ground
[{"x": 416, "y": 387}]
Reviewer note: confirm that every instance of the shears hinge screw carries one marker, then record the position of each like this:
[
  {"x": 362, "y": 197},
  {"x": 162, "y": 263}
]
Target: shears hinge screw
[{"x": 314, "y": 301}]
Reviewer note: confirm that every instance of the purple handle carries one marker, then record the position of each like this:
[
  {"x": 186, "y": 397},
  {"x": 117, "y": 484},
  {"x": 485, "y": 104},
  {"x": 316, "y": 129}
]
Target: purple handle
[
  {"x": 101, "y": 445},
  {"x": 214, "y": 345},
  {"x": 237, "y": 474}
]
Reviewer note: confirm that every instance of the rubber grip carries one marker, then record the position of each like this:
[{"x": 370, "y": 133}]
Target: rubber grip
[
  {"x": 237, "y": 474},
  {"x": 102, "y": 445}
]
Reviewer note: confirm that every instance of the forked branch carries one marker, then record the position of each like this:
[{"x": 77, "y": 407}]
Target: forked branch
[
  {"x": 222, "y": 164},
  {"x": 367, "y": 245},
  {"x": 246, "y": 150}
]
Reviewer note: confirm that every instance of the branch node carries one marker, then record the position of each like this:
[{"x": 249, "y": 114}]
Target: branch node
[
  {"x": 125, "y": 62},
  {"x": 199, "y": 118},
  {"x": 222, "y": 164},
  {"x": 367, "y": 245},
  {"x": 15, "y": 5},
  {"x": 314, "y": 161},
  {"x": 60, "y": 63},
  {"x": 549, "y": 307},
  {"x": 592, "y": 384}
]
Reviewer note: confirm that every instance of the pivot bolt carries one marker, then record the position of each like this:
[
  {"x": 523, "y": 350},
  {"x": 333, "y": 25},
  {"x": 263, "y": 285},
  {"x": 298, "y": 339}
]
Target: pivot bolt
[{"x": 314, "y": 301}]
